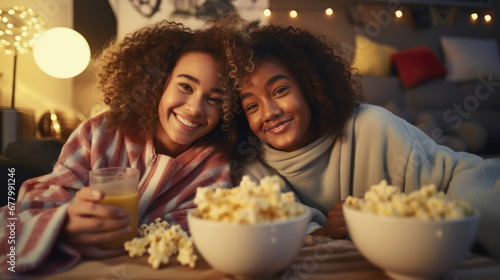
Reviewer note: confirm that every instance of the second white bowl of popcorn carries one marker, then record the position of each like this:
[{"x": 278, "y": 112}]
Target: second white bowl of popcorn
[
  {"x": 420, "y": 235},
  {"x": 250, "y": 231}
]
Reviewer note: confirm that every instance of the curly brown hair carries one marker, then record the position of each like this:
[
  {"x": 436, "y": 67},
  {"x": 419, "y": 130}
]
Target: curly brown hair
[
  {"x": 132, "y": 73},
  {"x": 330, "y": 90}
]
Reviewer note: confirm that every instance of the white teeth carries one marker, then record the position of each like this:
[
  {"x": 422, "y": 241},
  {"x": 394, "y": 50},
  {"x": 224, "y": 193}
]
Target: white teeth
[
  {"x": 278, "y": 127},
  {"x": 186, "y": 122}
]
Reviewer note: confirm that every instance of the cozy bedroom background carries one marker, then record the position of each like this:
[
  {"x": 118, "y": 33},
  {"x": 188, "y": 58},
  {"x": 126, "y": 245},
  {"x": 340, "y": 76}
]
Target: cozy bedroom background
[{"x": 434, "y": 65}]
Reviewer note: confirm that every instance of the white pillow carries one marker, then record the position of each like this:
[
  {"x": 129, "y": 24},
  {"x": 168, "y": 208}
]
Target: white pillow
[{"x": 468, "y": 58}]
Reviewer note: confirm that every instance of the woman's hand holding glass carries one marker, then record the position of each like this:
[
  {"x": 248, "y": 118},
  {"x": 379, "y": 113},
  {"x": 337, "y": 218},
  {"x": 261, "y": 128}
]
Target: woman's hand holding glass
[{"x": 90, "y": 223}]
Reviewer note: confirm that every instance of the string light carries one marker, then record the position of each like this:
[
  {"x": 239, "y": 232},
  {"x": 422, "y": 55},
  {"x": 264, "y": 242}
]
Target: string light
[
  {"x": 267, "y": 12},
  {"x": 19, "y": 29}
]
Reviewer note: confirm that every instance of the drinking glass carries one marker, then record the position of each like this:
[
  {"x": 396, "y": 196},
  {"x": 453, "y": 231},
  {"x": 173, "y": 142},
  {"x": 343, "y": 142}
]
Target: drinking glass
[{"x": 120, "y": 185}]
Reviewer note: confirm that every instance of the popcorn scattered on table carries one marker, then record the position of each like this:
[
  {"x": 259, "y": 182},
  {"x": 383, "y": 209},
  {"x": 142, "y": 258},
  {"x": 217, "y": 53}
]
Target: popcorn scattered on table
[
  {"x": 248, "y": 203},
  {"x": 425, "y": 204},
  {"x": 163, "y": 242}
]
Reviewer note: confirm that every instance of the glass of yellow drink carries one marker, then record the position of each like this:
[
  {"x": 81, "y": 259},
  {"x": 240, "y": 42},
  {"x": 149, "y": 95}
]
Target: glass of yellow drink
[{"x": 120, "y": 184}]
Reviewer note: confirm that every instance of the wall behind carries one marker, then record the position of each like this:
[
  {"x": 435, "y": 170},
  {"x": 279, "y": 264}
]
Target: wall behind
[
  {"x": 399, "y": 33},
  {"x": 35, "y": 89},
  {"x": 95, "y": 20}
]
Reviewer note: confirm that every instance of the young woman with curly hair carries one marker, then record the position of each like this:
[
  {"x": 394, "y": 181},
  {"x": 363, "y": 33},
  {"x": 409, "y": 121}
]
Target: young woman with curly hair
[
  {"x": 170, "y": 117},
  {"x": 307, "y": 124}
]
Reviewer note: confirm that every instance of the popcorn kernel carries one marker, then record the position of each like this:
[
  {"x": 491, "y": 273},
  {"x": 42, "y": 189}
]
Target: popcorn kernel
[{"x": 425, "y": 204}]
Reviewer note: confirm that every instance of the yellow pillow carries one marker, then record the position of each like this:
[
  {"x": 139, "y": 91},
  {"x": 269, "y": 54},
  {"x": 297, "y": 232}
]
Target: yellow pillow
[{"x": 372, "y": 58}]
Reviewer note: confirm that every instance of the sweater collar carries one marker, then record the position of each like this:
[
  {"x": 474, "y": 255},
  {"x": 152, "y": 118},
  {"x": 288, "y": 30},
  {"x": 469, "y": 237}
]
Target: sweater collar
[{"x": 292, "y": 162}]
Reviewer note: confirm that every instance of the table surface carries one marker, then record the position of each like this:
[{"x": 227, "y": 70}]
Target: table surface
[{"x": 319, "y": 258}]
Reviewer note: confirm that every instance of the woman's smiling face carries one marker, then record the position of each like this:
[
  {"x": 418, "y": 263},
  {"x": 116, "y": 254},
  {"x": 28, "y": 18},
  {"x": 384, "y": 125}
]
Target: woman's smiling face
[
  {"x": 275, "y": 107},
  {"x": 191, "y": 103}
]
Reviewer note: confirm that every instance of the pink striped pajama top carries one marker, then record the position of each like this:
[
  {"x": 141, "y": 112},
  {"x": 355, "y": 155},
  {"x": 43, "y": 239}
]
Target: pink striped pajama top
[{"x": 166, "y": 189}]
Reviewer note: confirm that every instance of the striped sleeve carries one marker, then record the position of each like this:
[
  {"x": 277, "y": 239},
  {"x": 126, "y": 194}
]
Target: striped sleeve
[
  {"x": 214, "y": 174},
  {"x": 174, "y": 195},
  {"x": 40, "y": 211}
]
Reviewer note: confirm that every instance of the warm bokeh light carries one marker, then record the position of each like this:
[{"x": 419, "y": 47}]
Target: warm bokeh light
[
  {"x": 20, "y": 27},
  {"x": 62, "y": 52},
  {"x": 329, "y": 11},
  {"x": 293, "y": 14},
  {"x": 487, "y": 18},
  {"x": 473, "y": 16},
  {"x": 267, "y": 12},
  {"x": 399, "y": 13}
]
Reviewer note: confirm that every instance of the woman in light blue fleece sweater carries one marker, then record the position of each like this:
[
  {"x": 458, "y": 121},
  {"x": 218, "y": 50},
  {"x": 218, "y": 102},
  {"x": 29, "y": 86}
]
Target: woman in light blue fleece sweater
[{"x": 309, "y": 126}]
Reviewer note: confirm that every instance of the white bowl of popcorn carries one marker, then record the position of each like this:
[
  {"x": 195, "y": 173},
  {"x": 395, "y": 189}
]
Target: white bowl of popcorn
[
  {"x": 420, "y": 235},
  {"x": 248, "y": 231}
]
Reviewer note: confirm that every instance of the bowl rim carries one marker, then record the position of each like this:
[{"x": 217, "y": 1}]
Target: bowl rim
[
  {"x": 305, "y": 215},
  {"x": 475, "y": 216}
]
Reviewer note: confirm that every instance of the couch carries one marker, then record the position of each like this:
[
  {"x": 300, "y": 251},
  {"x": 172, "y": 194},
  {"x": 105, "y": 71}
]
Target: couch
[
  {"x": 448, "y": 112},
  {"x": 452, "y": 94},
  {"x": 30, "y": 158}
]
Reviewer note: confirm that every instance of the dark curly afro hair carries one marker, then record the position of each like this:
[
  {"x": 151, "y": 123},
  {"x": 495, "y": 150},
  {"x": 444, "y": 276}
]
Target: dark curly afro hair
[
  {"x": 330, "y": 89},
  {"x": 132, "y": 73}
]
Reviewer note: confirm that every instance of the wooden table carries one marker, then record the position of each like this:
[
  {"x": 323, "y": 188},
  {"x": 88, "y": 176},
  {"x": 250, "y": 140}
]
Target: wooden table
[{"x": 320, "y": 258}]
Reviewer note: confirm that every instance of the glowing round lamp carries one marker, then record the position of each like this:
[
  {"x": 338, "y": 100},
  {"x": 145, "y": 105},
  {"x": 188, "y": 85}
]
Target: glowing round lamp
[{"x": 62, "y": 52}]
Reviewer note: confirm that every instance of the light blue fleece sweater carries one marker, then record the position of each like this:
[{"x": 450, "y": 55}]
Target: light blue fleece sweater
[{"x": 380, "y": 146}]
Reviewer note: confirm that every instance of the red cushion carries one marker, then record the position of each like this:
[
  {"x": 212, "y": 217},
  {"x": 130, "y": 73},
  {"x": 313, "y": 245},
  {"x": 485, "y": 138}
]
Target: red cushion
[{"x": 418, "y": 64}]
